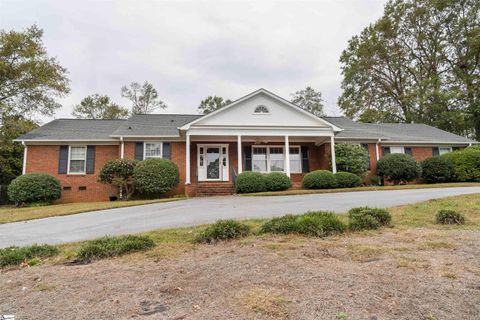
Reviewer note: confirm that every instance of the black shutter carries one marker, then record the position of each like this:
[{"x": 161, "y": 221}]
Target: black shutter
[
  {"x": 435, "y": 151},
  {"x": 386, "y": 150},
  {"x": 139, "y": 151},
  {"x": 247, "y": 152},
  {"x": 166, "y": 151},
  {"x": 305, "y": 161},
  {"x": 90, "y": 159},
  {"x": 63, "y": 160},
  {"x": 408, "y": 150}
]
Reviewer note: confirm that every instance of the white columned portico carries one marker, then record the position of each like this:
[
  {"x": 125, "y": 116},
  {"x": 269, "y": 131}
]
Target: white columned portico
[
  {"x": 187, "y": 156},
  {"x": 239, "y": 153},
  {"x": 332, "y": 150},
  {"x": 287, "y": 156}
]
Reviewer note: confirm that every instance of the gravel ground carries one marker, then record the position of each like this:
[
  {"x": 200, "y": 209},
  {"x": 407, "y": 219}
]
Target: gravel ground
[{"x": 393, "y": 274}]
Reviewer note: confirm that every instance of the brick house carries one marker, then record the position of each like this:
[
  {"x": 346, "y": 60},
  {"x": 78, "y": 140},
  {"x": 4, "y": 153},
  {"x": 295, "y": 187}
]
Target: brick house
[{"x": 260, "y": 132}]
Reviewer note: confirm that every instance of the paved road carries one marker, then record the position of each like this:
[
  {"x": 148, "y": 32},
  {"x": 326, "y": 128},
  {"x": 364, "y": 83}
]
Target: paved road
[{"x": 202, "y": 210}]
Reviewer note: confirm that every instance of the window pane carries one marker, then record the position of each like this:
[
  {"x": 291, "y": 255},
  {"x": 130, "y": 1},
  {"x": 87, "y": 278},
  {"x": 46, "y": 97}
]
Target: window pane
[
  {"x": 77, "y": 166},
  {"x": 443, "y": 150},
  {"x": 295, "y": 160},
  {"x": 153, "y": 150},
  {"x": 259, "y": 159},
  {"x": 396, "y": 150},
  {"x": 77, "y": 153},
  {"x": 277, "y": 159}
]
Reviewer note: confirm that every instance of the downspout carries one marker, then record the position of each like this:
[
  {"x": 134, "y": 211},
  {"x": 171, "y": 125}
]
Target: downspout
[
  {"x": 24, "y": 168},
  {"x": 122, "y": 148},
  {"x": 377, "y": 153}
]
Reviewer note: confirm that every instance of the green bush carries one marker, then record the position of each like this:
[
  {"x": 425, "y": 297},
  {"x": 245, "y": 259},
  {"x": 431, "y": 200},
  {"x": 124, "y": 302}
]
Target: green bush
[
  {"x": 312, "y": 223},
  {"x": 437, "y": 169},
  {"x": 119, "y": 172},
  {"x": 449, "y": 217},
  {"x": 16, "y": 255},
  {"x": 249, "y": 181},
  {"x": 466, "y": 164},
  {"x": 319, "y": 179},
  {"x": 347, "y": 180},
  {"x": 363, "y": 223},
  {"x": 223, "y": 230},
  {"x": 398, "y": 167},
  {"x": 361, "y": 218},
  {"x": 277, "y": 181},
  {"x": 112, "y": 246},
  {"x": 34, "y": 188},
  {"x": 155, "y": 176},
  {"x": 351, "y": 158}
]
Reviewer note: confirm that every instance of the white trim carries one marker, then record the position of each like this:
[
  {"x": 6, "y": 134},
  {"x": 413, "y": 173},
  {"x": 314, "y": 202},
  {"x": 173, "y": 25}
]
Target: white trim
[
  {"x": 444, "y": 147},
  {"x": 239, "y": 154},
  {"x": 153, "y": 157},
  {"x": 377, "y": 151},
  {"x": 286, "y": 152},
  {"x": 332, "y": 150},
  {"x": 122, "y": 148},
  {"x": 187, "y": 158},
  {"x": 268, "y": 146},
  {"x": 70, "y": 159},
  {"x": 223, "y": 175},
  {"x": 24, "y": 167},
  {"x": 277, "y": 132}
]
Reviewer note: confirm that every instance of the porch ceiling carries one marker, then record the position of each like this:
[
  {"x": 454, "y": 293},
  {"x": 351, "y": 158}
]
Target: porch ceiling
[{"x": 260, "y": 139}]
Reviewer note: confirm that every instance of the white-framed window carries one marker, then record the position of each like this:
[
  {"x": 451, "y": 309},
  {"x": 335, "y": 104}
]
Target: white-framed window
[
  {"x": 153, "y": 149},
  {"x": 77, "y": 159},
  {"x": 272, "y": 159},
  {"x": 261, "y": 109},
  {"x": 443, "y": 150},
  {"x": 397, "y": 149}
]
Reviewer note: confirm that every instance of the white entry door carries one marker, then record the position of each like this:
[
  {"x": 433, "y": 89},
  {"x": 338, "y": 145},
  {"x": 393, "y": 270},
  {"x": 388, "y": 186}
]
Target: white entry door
[{"x": 212, "y": 162}]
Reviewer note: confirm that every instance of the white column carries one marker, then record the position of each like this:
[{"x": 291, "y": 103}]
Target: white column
[
  {"x": 239, "y": 153},
  {"x": 122, "y": 148},
  {"x": 187, "y": 160},
  {"x": 287, "y": 156},
  {"x": 377, "y": 152},
  {"x": 332, "y": 150},
  {"x": 24, "y": 168}
]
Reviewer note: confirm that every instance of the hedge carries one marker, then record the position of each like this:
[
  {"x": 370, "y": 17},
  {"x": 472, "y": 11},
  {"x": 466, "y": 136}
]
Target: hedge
[
  {"x": 466, "y": 164},
  {"x": 249, "y": 181},
  {"x": 437, "y": 169},
  {"x": 319, "y": 179},
  {"x": 351, "y": 158},
  {"x": 347, "y": 180},
  {"x": 155, "y": 176},
  {"x": 223, "y": 230},
  {"x": 398, "y": 167},
  {"x": 277, "y": 181},
  {"x": 34, "y": 188}
]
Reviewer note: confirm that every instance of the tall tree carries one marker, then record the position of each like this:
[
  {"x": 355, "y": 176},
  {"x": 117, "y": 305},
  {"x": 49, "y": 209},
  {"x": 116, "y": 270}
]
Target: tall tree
[
  {"x": 99, "y": 107},
  {"x": 30, "y": 80},
  {"x": 212, "y": 103},
  {"x": 310, "y": 100},
  {"x": 144, "y": 98},
  {"x": 420, "y": 62}
]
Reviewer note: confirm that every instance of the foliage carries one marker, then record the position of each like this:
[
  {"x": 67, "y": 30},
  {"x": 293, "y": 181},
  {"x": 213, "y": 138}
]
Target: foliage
[
  {"x": 309, "y": 100},
  {"x": 437, "y": 169},
  {"x": 347, "y": 180},
  {"x": 418, "y": 63},
  {"x": 30, "y": 80},
  {"x": 352, "y": 158},
  {"x": 16, "y": 255},
  {"x": 249, "y": 181},
  {"x": 398, "y": 167},
  {"x": 34, "y": 188},
  {"x": 312, "y": 223},
  {"x": 277, "y": 181},
  {"x": 108, "y": 246},
  {"x": 364, "y": 218},
  {"x": 223, "y": 230},
  {"x": 155, "y": 176},
  {"x": 212, "y": 103},
  {"x": 319, "y": 179},
  {"x": 466, "y": 164},
  {"x": 449, "y": 217},
  {"x": 119, "y": 172},
  {"x": 144, "y": 98},
  {"x": 99, "y": 107},
  {"x": 363, "y": 222}
]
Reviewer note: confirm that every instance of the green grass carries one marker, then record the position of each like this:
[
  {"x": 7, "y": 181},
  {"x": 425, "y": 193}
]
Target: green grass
[
  {"x": 368, "y": 188},
  {"x": 30, "y": 254},
  {"x": 13, "y": 214}
]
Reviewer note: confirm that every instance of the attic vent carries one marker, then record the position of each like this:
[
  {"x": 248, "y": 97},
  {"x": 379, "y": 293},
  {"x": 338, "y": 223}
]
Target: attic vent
[
  {"x": 129, "y": 128},
  {"x": 261, "y": 109}
]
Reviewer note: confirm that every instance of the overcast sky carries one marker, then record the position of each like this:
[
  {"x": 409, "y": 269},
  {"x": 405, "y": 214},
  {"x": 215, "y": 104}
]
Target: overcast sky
[{"x": 192, "y": 49}]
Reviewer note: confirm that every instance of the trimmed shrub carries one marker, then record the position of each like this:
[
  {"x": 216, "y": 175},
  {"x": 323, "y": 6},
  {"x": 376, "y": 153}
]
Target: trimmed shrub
[
  {"x": 466, "y": 164},
  {"x": 223, "y": 230},
  {"x": 249, "y": 181},
  {"x": 319, "y": 179},
  {"x": 446, "y": 216},
  {"x": 34, "y": 188},
  {"x": 16, "y": 255},
  {"x": 155, "y": 176},
  {"x": 351, "y": 158},
  {"x": 363, "y": 223},
  {"x": 112, "y": 246},
  {"x": 398, "y": 167},
  {"x": 119, "y": 172},
  {"x": 437, "y": 169},
  {"x": 347, "y": 180},
  {"x": 277, "y": 181},
  {"x": 285, "y": 224},
  {"x": 364, "y": 218}
]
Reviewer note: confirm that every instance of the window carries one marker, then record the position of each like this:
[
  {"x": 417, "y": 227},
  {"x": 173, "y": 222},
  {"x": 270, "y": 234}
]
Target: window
[
  {"x": 152, "y": 150},
  {"x": 277, "y": 159},
  {"x": 272, "y": 159},
  {"x": 295, "y": 160},
  {"x": 397, "y": 150},
  {"x": 261, "y": 109},
  {"x": 259, "y": 159},
  {"x": 443, "y": 150},
  {"x": 77, "y": 160}
]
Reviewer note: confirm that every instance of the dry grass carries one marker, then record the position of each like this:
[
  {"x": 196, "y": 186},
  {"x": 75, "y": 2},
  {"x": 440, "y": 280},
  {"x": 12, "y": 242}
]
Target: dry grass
[
  {"x": 266, "y": 302},
  {"x": 14, "y": 214}
]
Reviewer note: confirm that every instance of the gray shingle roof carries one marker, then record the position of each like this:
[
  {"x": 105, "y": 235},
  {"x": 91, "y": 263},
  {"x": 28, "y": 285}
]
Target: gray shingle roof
[{"x": 412, "y": 132}]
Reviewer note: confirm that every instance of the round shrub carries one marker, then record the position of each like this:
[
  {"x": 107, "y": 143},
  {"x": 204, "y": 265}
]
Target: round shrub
[
  {"x": 398, "y": 167},
  {"x": 223, "y": 230},
  {"x": 249, "y": 181},
  {"x": 368, "y": 218},
  {"x": 119, "y": 172},
  {"x": 466, "y": 164},
  {"x": 363, "y": 223},
  {"x": 285, "y": 224},
  {"x": 34, "y": 188},
  {"x": 437, "y": 170},
  {"x": 155, "y": 176},
  {"x": 347, "y": 180},
  {"x": 351, "y": 158},
  {"x": 277, "y": 181},
  {"x": 319, "y": 179},
  {"x": 449, "y": 217}
]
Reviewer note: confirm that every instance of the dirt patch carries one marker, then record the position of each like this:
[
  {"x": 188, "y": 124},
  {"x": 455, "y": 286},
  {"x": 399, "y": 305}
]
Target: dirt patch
[{"x": 391, "y": 274}]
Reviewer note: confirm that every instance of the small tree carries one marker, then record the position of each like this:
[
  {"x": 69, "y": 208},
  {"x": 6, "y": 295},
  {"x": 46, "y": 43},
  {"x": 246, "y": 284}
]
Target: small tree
[
  {"x": 119, "y": 173},
  {"x": 398, "y": 167},
  {"x": 309, "y": 100},
  {"x": 212, "y": 103},
  {"x": 144, "y": 97},
  {"x": 99, "y": 107},
  {"x": 351, "y": 158}
]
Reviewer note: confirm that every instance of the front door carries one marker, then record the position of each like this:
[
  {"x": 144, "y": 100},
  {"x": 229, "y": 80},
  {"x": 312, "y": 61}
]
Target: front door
[{"x": 212, "y": 163}]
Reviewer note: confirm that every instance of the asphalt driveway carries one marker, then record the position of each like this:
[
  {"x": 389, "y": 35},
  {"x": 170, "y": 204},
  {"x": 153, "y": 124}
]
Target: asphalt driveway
[{"x": 197, "y": 211}]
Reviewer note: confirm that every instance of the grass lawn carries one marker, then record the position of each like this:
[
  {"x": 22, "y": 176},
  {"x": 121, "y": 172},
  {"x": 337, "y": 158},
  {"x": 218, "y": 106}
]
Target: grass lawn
[
  {"x": 13, "y": 214},
  {"x": 368, "y": 188}
]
